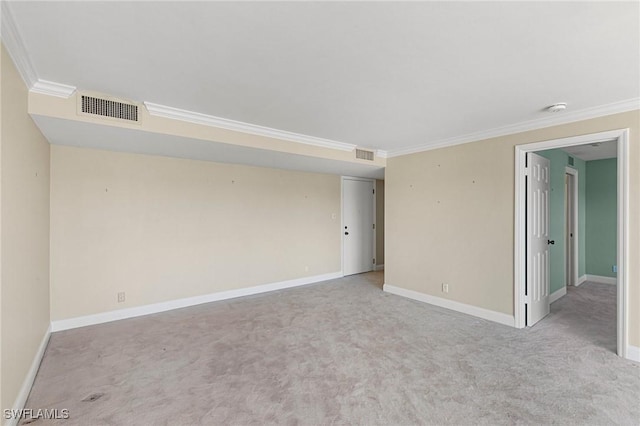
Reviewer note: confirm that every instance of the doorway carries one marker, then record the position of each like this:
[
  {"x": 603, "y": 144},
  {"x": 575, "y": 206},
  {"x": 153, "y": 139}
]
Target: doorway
[
  {"x": 571, "y": 226},
  {"x": 522, "y": 268},
  {"x": 358, "y": 225}
]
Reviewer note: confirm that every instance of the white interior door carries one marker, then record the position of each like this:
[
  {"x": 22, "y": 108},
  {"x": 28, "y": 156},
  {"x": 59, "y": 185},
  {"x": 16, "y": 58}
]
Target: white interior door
[
  {"x": 537, "y": 287},
  {"x": 358, "y": 228}
]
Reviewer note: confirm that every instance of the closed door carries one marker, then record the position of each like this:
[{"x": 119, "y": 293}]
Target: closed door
[
  {"x": 358, "y": 225},
  {"x": 538, "y": 188}
]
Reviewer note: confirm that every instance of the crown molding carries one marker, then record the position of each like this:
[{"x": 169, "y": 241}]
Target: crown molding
[
  {"x": 561, "y": 118},
  {"x": 224, "y": 123},
  {"x": 15, "y": 46},
  {"x": 53, "y": 89},
  {"x": 382, "y": 153}
]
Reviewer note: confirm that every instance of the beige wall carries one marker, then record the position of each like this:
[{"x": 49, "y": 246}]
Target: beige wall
[
  {"x": 162, "y": 228},
  {"x": 450, "y": 217},
  {"x": 24, "y": 226},
  {"x": 379, "y": 222}
]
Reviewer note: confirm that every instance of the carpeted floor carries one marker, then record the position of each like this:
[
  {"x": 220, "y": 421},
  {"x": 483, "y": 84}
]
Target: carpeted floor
[{"x": 343, "y": 352}]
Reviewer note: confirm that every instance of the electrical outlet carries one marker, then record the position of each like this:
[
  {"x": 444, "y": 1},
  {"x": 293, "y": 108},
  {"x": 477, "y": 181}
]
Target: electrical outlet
[
  {"x": 121, "y": 297},
  {"x": 614, "y": 268},
  {"x": 445, "y": 288}
]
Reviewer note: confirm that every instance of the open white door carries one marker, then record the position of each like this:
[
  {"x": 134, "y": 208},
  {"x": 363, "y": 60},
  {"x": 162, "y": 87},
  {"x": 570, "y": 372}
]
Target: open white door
[
  {"x": 358, "y": 225},
  {"x": 537, "y": 285}
]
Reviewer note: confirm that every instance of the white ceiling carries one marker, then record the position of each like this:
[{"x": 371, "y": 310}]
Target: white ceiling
[
  {"x": 596, "y": 151},
  {"x": 383, "y": 75}
]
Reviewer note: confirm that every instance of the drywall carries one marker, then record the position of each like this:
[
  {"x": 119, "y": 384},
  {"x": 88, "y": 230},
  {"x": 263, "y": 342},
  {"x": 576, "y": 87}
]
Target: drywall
[
  {"x": 24, "y": 237},
  {"x": 602, "y": 199},
  {"x": 161, "y": 229},
  {"x": 581, "y": 166},
  {"x": 66, "y": 109},
  {"x": 1, "y": 83},
  {"x": 559, "y": 161},
  {"x": 379, "y": 222},
  {"x": 450, "y": 217}
]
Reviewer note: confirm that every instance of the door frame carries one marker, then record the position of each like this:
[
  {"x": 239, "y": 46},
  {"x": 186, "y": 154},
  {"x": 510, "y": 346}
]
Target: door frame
[
  {"x": 622, "y": 138},
  {"x": 568, "y": 170},
  {"x": 375, "y": 230}
]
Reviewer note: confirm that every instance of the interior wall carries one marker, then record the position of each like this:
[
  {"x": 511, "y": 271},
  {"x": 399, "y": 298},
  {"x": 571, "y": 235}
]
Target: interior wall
[
  {"x": 557, "y": 226},
  {"x": 450, "y": 217},
  {"x": 24, "y": 239},
  {"x": 602, "y": 220},
  {"x": 1, "y": 345},
  {"x": 162, "y": 228},
  {"x": 379, "y": 222}
]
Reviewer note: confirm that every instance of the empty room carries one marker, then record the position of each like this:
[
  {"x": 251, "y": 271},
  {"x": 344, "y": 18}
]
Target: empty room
[{"x": 376, "y": 213}]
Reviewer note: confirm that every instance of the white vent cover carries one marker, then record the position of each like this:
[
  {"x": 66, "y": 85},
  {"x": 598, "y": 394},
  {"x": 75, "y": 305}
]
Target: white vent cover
[
  {"x": 364, "y": 154},
  {"x": 110, "y": 108}
]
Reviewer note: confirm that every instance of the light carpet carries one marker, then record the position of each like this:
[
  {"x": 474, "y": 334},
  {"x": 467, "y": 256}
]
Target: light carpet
[{"x": 343, "y": 352}]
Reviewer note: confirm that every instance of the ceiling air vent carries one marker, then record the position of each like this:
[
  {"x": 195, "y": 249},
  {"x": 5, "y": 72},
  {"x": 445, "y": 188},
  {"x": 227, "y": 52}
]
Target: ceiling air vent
[
  {"x": 364, "y": 155},
  {"x": 109, "y": 108}
]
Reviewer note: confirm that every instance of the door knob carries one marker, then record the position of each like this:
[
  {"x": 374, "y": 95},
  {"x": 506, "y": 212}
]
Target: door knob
[{"x": 551, "y": 242}]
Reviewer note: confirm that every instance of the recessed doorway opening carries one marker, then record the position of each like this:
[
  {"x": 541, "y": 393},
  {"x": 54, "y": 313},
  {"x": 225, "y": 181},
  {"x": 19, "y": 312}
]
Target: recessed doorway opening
[{"x": 531, "y": 288}]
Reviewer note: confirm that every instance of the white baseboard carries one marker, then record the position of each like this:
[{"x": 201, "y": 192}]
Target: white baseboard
[
  {"x": 557, "y": 294},
  {"x": 581, "y": 280},
  {"x": 633, "y": 353},
  {"x": 27, "y": 384},
  {"x": 67, "y": 324},
  {"x": 487, "y": 314},
  {"x": 600, "y": 279},
  {"x": 379, "y": 267}
]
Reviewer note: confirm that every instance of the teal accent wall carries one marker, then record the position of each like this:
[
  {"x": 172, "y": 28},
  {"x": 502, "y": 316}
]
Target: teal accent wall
[
  {"x": 601, "y": 215},
  {"x": 559, "y": 160},
  {"x": 581, "y": 166}
]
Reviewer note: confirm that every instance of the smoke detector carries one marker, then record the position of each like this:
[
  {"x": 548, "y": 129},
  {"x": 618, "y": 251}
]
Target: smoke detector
[{"x": 561, "y": 106}]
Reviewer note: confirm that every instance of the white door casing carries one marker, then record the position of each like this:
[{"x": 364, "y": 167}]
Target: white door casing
[
  {"x": 621, "y": 136},
  {"x": 357, "y": 225},
  {"x": 538, "y": 188}
]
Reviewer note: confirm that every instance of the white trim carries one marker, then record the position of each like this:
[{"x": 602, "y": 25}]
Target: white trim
[
  {"x": 576, "y": 225},
  {"x": 374, "y": 208},
  {"x": 525, "y": 126},
  {"x": 581, "y": 280},
  {"x": 475, "y": 311},
  {"x": 382, "y": 153},
  {"x": 622, "y": 137},
  {"x": 623, "y": 243},
  {"x": 27, "y": 384},
  {"x": 254, "y": 129},
  {"x": 601, "y": 279},
  {"x": 342, "y": 225},
  {"x": 52, "y": 88},
  {"x": 15, "y": 46},
  {"x": 379, "y": 267},
  {"x": 104, "y": 317},
  {"x": 633, "y": 353},
  {"x": 520, "y": 224},
  {"x": 557, "y": 294}
]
